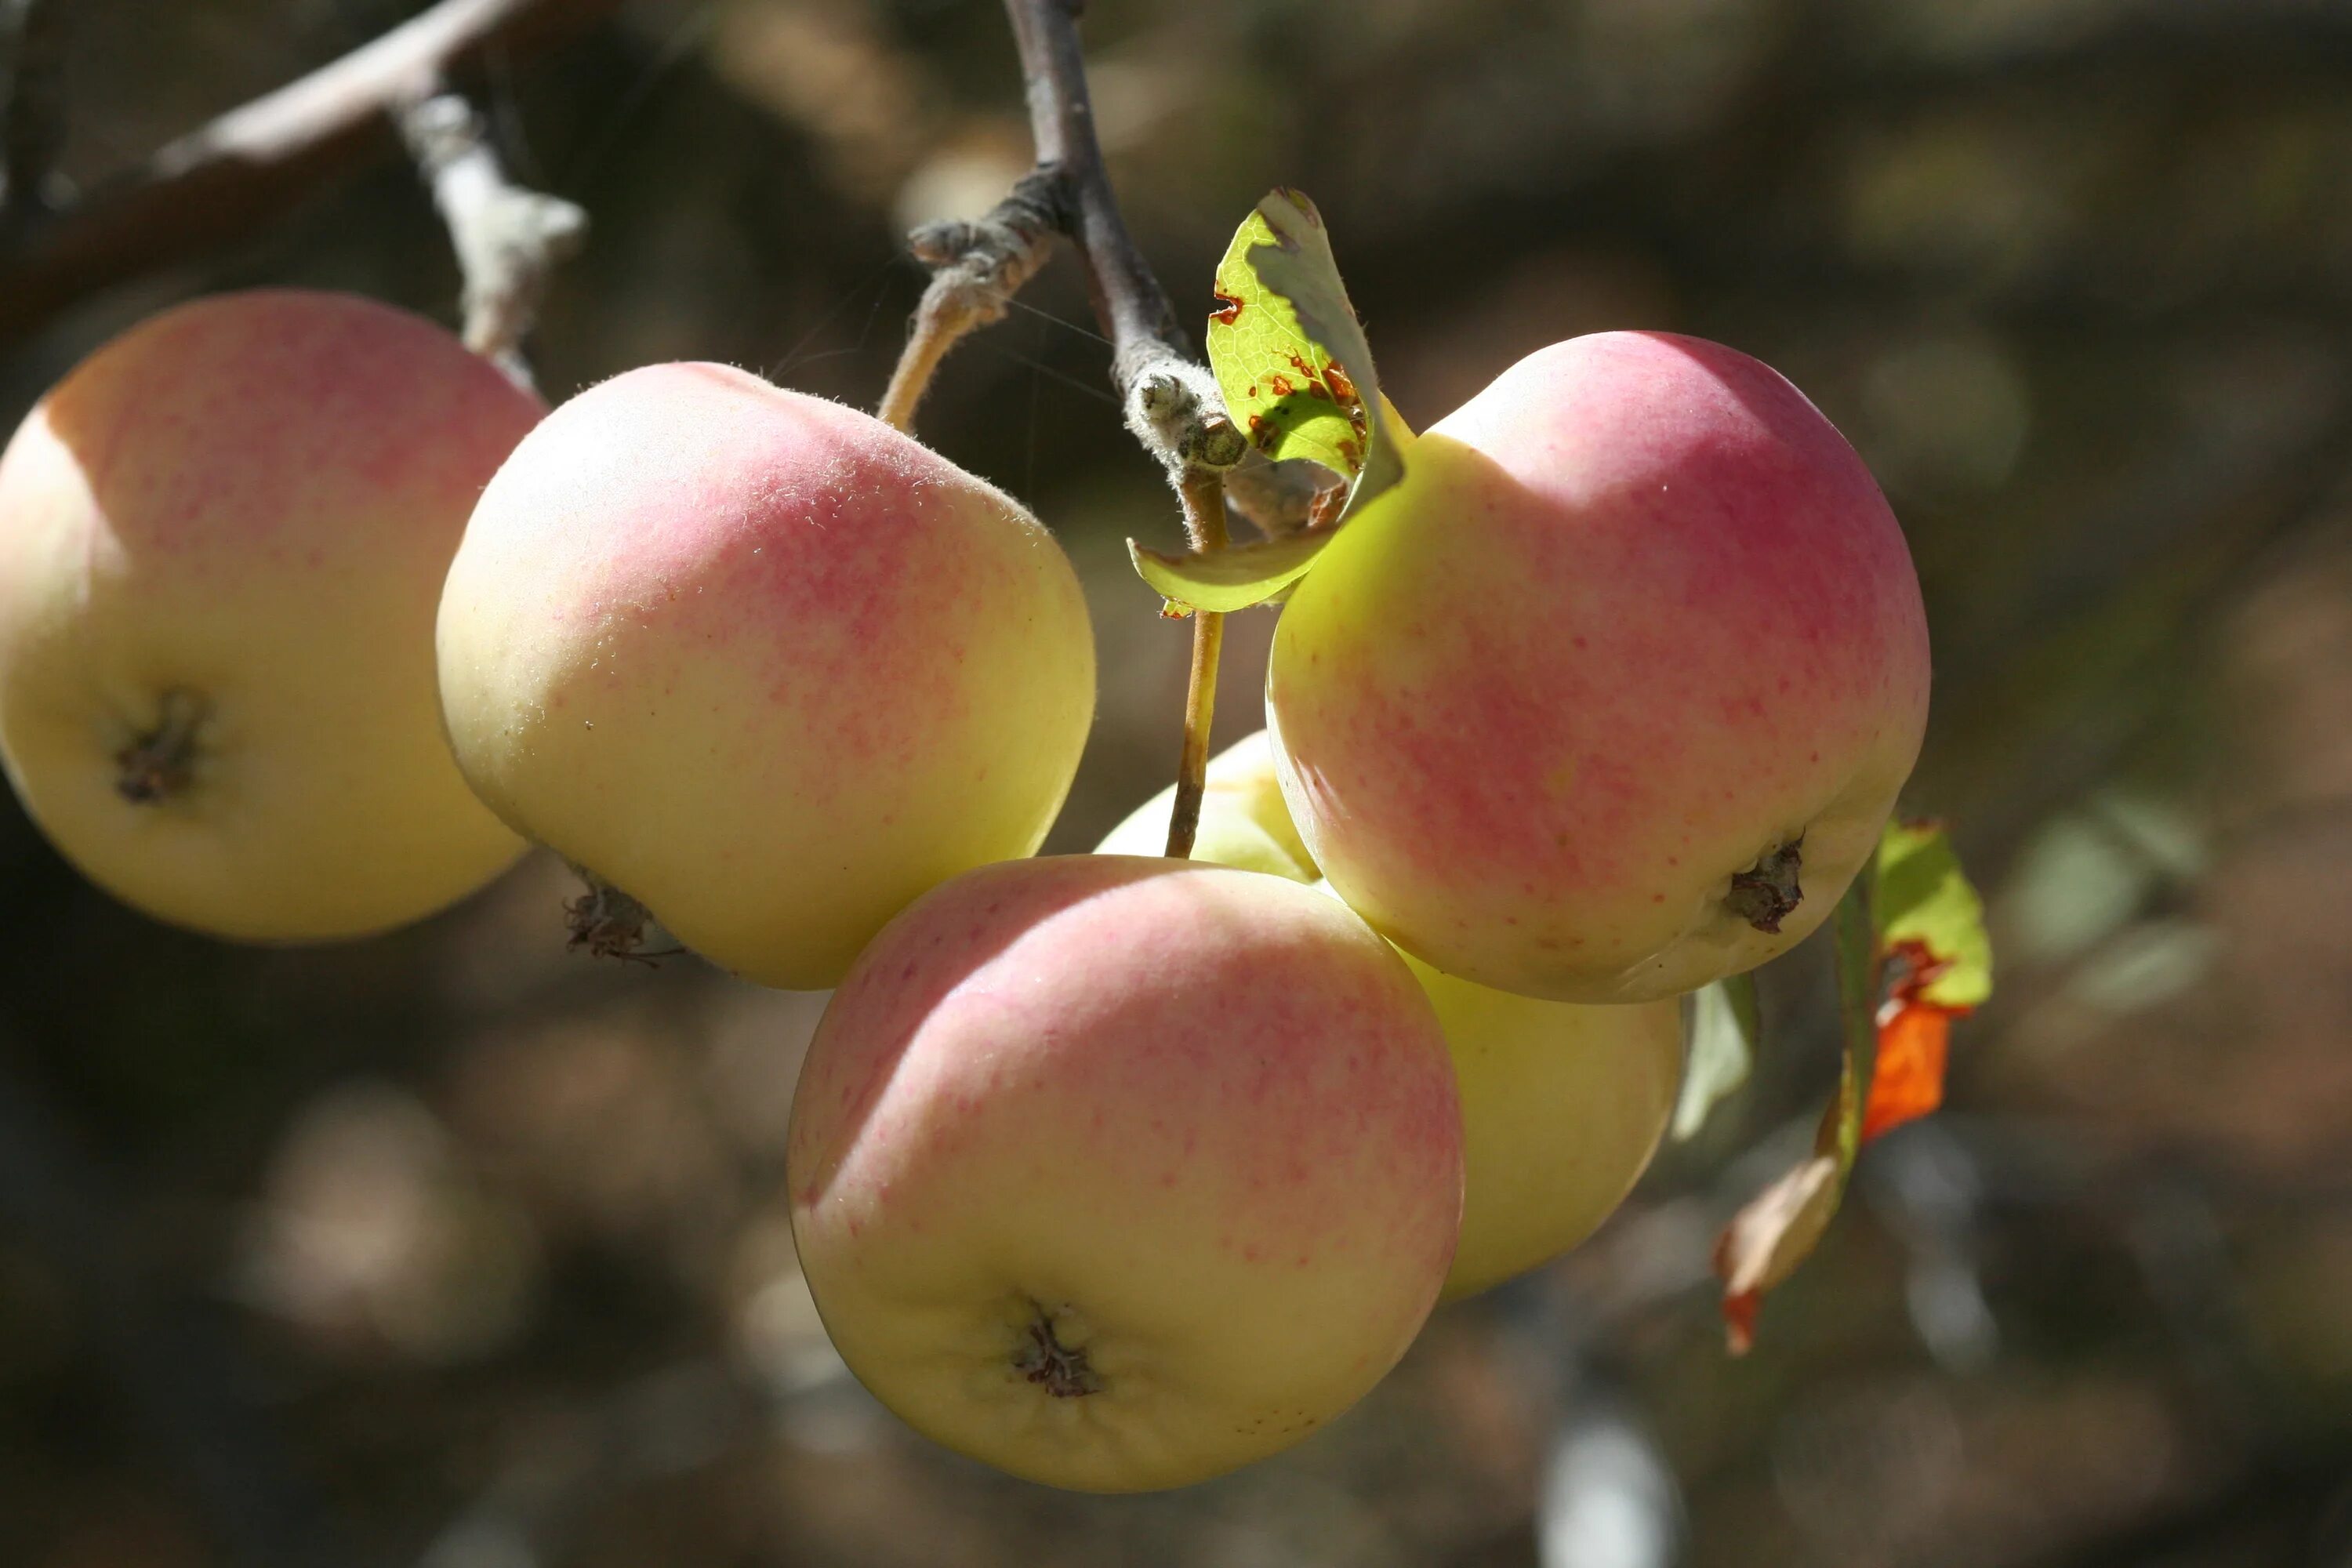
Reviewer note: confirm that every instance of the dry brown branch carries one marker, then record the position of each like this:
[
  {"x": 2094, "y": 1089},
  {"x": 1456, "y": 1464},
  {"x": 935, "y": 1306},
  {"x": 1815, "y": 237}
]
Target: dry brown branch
[
  {"x": 977, "y": 267},
  {"x": 254, "y": 162}
]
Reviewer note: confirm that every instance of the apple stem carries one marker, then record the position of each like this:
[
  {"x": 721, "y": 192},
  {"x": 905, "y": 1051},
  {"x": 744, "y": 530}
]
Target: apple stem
[
  {"x": 1204, "y": 492},
  {"x": 162, "y": 762},
  {"x": 1768, "y": 892},
  {"x": 976, "y": 268},
  {"x": 1045, "y": 1361}
]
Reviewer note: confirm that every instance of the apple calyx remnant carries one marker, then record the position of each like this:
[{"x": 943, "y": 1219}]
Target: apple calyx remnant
[
  {"x": 607, "y": 921},
  {"x": 162, "y": 762},
  {"x": 1767, "y": 893},
  {"x": 1043, "y": 1359}
]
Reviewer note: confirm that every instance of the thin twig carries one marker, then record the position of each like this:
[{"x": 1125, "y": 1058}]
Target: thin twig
[
  {"x": 508, "y": 238},
  {"x": 219, "y": 183},
  {"x": 1171, "y": 401},
  {"x": 32, "y": 104},
  {"x": 977, "y": 267}
]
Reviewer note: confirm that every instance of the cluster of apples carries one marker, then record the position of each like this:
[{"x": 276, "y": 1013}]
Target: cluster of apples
[{"x": 1115, "y": 1170}]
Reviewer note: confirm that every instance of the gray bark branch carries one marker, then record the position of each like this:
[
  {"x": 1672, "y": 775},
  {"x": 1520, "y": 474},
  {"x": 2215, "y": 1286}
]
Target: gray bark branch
[
  {"x": 508, "y": 239},
  {"x": 1170, "y": 400},
  {"x": 254, "y": 162}
]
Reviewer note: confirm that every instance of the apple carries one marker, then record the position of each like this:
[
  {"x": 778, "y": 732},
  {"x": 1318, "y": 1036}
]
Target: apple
[
  {"x": 1562, "y": 1105},
  {"x": 222, "y": 539},
  {"x": 1118, "y": 1173},
  {"x": 1243, "y": 822},
  {"x": 762, "y": 662},
  {"x": 1611, "y": 695}
]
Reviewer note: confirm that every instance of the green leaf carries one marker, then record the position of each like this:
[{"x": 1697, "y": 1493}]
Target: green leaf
[
  {"x": 1725, "y": 1026},
  {"x": 1234, "y": 578},
  {"x": 1289, "y": 355},
  {"x": 1923, "y": 896},
  {"x": 1297, "y": 374}
]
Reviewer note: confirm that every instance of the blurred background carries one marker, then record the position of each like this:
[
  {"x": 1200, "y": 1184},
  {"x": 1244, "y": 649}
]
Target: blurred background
[{"x": 451, "y": 1249}]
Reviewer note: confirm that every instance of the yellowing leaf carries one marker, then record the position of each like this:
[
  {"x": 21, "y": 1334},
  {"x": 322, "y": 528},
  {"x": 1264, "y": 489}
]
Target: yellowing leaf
[
  {"x": 1767, "y": 1240},
  {"x": 1913, "y": 1041},
  {"x": 1289, "y": 355},
  {"x": 1233, "y": 578},
  {"x": 1924, "y": 899}
]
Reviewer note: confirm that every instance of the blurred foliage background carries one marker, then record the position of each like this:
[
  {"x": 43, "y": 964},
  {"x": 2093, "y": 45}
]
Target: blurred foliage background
[{"x": 451, "y": 1249}]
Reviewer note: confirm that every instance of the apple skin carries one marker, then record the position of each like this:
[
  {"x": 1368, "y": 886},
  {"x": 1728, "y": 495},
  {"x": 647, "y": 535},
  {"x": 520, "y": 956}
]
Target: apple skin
[
  {"x": 760, "y": 661},
  {"x": 1636, "y": 617},
  {"x": 252, "y": 498},
  {"x": 1562, "y": 1105},
  {"x": 1243, "y": 822},
  {"x": 1195, "y": 1124}
]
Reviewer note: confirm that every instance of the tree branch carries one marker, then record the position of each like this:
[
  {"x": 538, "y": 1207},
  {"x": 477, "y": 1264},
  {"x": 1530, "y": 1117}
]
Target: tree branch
[
  {"x": 508, "y": 238},
  {"x": 1171, "y": 402},
  {"x": 254, "y": 162},
  {"x": 977, "y": 267},
  {"x": 31, "y": 103}
]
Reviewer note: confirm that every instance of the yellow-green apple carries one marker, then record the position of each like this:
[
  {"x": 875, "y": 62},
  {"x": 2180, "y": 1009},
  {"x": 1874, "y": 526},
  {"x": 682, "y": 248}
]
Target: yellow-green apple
[
  {"x": 1562, "y": 1105},
  {"x": 1611, "y": 695},
  {"x": 222, "y": 539},
  {"x": 762, "y": 662},
  {"x": 1243, "y": 822},
  {"x": 1119, "y": 1172}
]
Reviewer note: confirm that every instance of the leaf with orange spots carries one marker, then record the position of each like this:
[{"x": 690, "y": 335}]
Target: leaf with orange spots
[
  {"x": 1290, "y": 356},
  {"x": 1925, "y": 902},
  {"x": 1931, "y": 936},
  {"x": 1291, "y": 361}
]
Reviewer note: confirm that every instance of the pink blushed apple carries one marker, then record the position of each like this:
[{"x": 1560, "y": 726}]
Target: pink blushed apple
[
  {"x": 1119, "y": 1172},
  {"x": 222, "y": 541},
  {"x": 762, "y": 662},
  {"x": 1562, "y": 1105},
  {"x": 1611, "y": 695}
]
